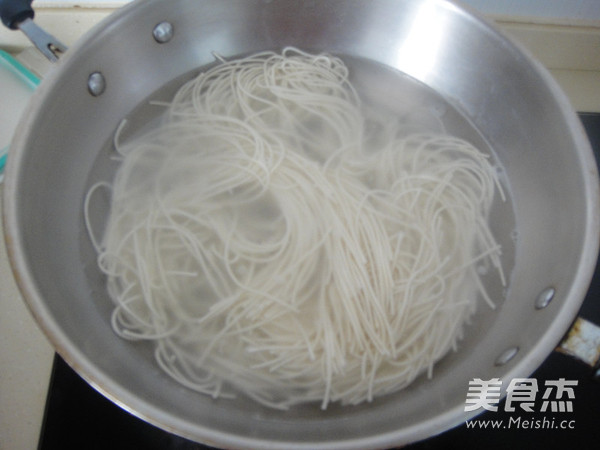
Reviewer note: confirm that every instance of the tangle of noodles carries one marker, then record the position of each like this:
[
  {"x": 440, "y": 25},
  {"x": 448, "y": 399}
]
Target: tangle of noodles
[{"x": 263, "y": 240}]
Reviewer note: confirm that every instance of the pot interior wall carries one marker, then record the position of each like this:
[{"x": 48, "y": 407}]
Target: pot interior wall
[{"x": 482, "y": 81}]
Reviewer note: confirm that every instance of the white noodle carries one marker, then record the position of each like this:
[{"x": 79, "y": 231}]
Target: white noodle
[{"x": 259, "y": 242}]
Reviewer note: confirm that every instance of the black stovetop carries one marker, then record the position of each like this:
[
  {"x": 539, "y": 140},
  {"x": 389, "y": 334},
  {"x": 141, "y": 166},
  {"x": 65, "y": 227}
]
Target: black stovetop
[{"x": 78, "y": 417}]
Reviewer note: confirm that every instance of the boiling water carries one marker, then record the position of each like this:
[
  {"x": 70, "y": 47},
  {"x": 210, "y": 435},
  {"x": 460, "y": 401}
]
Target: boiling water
[{"x": 385, "y": 91}]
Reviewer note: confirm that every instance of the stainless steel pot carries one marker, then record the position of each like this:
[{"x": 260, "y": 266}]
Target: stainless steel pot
[{"x": 513, "y": 102}]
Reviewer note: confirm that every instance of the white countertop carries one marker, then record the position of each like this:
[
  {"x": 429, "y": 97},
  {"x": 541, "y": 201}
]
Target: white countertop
[{"x": 573, "y": 59}]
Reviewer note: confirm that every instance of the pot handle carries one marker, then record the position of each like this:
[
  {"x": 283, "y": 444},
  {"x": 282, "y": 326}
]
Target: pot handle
[
  {"x": 18, "y": 14},
  {"x": 14, "y": 12}
]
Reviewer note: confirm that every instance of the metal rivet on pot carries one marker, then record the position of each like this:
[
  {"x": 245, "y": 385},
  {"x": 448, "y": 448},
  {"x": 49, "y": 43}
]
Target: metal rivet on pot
[
  {"x": 96, "y": 84},
  {"x": 544, "y": 298},
  {"x": 163, "y": 32},
  {"x": 506, "y": 356}
]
